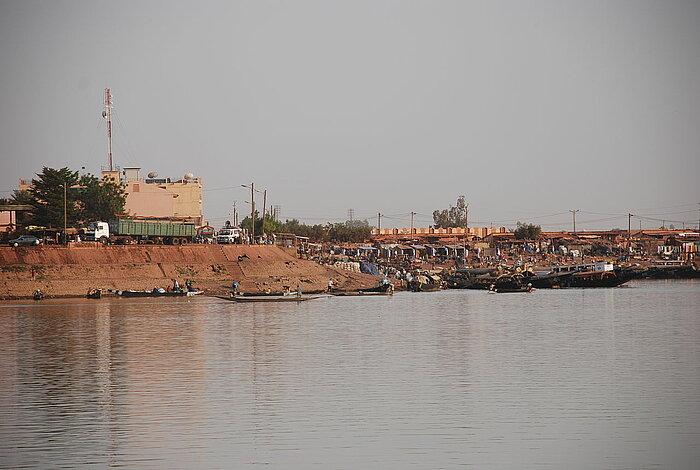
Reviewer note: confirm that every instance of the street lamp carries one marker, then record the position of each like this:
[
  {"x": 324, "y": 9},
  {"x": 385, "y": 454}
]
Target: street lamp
[
  {"x": 252, "y": 209},
  {"x": 65, "y": 208},
  {"x": 65, "y": 213}
]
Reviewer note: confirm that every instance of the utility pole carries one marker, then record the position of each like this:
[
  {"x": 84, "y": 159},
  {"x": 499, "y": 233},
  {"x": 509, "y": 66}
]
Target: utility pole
[
  {"x": 466, "y": 219},
  {"x": 235, "y": 215},
  {"x": 412, "y": 214},
  {"x": 252, "y": 210},
  {"x": 379, "y": 222},
  {"x": 466, "y": 231},
  {"x": 65, "y": 213},
  {"x": 277, "y": 212},
  {"x": 264, "y": 207},
  {"x": 573, "y": 212},
  {"x": 629, "y": 232}
]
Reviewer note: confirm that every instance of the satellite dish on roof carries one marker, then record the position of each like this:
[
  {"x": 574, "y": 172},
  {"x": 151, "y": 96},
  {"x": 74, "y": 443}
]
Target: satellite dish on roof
[
  {"x": 153, "y": 174},
  {"x": 189, "y": 176}
]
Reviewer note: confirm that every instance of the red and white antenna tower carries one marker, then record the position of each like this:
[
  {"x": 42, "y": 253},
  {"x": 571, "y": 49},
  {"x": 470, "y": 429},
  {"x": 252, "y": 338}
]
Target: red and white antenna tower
[{"x": 107, "y": 114}]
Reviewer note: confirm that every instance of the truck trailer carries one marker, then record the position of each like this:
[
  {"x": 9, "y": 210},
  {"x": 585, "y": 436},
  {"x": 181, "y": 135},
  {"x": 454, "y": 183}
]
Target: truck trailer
[{"x": 128, "y": 230}]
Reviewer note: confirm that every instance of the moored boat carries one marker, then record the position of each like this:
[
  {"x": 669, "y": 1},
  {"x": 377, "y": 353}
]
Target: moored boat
[
  {"x": 597, "y": 279},
  {"x": 550, "y": 280},
  {"x": 508, "y": 283},
  {"x": 94, "y": 294},
  {"x": 159, "y": 292}
]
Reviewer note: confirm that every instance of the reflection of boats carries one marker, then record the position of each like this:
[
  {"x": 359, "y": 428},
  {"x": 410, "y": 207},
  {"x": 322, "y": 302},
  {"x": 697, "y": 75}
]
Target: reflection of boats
[
  {"x": 157, "y": 293},
  {"x": 362, "y": 293},
  {"x": 503, "y": 290},
  {"x": 271, "y": 298}
]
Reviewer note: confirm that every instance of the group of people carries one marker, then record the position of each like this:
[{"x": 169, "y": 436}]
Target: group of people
[{"x": 178, "y": 288}]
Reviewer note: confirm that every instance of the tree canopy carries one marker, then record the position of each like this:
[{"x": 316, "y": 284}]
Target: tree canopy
[
  {"x": 453, "y": 217},
  {"x": 59, "y": 193},
  {"x": 101, "y": 199},
  {"x": 527, "y": 231},
  {"x": 355, "y": 231}
]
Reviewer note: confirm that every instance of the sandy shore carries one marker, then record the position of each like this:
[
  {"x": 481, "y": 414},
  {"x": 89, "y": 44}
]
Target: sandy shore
[{"x": 71, "y": 271}]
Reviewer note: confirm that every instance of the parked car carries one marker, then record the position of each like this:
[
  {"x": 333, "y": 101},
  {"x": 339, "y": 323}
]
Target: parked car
[{"x": 24, "y": 240}]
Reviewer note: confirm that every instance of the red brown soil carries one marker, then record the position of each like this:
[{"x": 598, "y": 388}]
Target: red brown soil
[{"x": 71, "y": 271}]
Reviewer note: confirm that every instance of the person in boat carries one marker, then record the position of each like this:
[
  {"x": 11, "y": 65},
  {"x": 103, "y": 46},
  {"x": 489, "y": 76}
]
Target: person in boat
[
  {"x": 38, "y": 294},
  {"x": 188, "y": 286},
  {"x": 298, "y": 290},
  {"x": 330, "y": 285},
  {"x": 234, "y": 288},
  {"x": 176, "y": 286}
]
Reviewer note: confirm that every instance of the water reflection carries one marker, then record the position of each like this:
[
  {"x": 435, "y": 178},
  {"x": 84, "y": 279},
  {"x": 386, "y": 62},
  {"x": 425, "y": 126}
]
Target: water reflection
[{"x": 571, "y": 378}]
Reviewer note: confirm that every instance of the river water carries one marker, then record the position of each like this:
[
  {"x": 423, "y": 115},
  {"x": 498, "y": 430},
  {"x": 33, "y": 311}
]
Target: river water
[{"x": 576, "y": 379}]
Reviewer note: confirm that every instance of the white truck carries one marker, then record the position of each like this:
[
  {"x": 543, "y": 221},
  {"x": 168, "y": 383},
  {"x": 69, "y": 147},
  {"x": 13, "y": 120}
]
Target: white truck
[
  {"x": 230, "y": 234},
  {"x": 97, "y": 231}
]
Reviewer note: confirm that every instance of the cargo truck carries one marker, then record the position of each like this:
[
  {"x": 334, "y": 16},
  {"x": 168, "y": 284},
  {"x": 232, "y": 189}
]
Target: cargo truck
[{"x": 127, "y": 230}]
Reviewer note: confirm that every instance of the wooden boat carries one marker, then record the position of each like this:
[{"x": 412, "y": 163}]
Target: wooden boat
[
  {"x": 271, "y": 298},
  {"x": 157, "y": 293},
  {"x": 514, "y": 282},
  {"x": 425, "y": 283},
  {"x": 550, "y": 280},
  {"x": 94, "y": 294},
  {"x": 597, "y": 279}
]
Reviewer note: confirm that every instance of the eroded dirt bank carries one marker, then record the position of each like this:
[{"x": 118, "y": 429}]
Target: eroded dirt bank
[{"x": 71, "y": 271}]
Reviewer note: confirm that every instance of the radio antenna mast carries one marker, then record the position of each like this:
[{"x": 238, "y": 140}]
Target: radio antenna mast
[{"x": 107, "y": 114}]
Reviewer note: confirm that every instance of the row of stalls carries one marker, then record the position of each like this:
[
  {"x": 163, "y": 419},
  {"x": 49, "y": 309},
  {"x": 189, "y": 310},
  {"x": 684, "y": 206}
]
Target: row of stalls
[
  {"x": 402, "y": 252},
  {"x": 609, "y": 243}
]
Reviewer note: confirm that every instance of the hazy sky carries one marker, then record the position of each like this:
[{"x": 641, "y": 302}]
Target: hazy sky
[{"x": 529, "y": 108}]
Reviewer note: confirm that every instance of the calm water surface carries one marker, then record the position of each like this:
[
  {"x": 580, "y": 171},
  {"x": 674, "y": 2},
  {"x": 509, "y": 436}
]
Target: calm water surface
[{"x": 577, "y": 379}]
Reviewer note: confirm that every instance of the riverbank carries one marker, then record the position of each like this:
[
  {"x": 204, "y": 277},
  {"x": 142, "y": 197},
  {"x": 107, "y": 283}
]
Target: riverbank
[{"x": 72, "y": 271}]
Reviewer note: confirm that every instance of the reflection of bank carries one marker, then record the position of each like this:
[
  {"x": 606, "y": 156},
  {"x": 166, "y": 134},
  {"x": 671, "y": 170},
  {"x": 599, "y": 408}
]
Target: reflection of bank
[{"x": 148, "y": 376}]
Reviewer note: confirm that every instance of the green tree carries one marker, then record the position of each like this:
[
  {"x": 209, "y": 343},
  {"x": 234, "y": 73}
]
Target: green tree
[
  {"x": 355, "y": 231},
  {"x": 453, "y": 217},
  {"x": 100, "y": 199},
  {"x": 49, "y": 197},
  {"x": 268, "y": 226},
  {"x": 81, "y": 199},
  {"x": 527, "y": 231}
]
